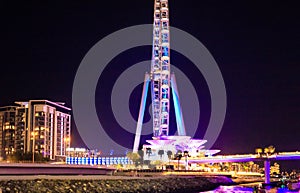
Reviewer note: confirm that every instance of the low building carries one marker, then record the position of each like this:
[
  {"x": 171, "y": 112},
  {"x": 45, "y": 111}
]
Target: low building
[
  {"x": 82, "y": 156},
  {"x": 165, "y": 148}
]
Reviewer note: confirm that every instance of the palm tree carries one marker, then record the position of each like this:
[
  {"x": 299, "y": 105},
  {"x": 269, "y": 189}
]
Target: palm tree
[
  {"x": 271, "y": 149},
  {"x": 179, "y": 152},
  {"x": 178, "y": 156},
  {"x": 141, "y": 154},
  {"x": 266, "y": 151},
  {"x": 161, "y": 153},
  {"x": 251, "y": 164},
  {"x": 169, "y": 154},
  {"x": 245, "y": 166},
  {"x": 148, "y": 151},
  {"x": 258, "y": 151}
]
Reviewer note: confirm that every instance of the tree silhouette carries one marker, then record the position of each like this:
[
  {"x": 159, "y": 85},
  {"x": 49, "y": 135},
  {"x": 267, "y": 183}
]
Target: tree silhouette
[
  {"x": 178, "y": 157},
  {"x": 266, "y": 151},
  {"x": 133, "y": 156},
  {"x": 141, "y": 154},
  {"x": 258, "y": 151},
  {"x": 271, "y": 149},
  {"x": 169, "y": 153},
  {"x": 161, "y": 153},
  {"x": 148, "y": 151}
]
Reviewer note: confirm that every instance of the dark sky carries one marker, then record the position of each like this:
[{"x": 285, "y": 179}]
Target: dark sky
[{"x": 256, "y": 45}]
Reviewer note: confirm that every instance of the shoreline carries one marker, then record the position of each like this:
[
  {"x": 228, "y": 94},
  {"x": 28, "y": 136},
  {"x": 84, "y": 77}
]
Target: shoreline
[{"x": 166, "y": 184}]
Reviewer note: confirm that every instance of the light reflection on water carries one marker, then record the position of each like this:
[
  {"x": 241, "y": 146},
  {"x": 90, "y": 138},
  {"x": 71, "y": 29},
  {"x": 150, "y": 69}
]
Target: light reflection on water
[
  {"x": 240, "y": 189},
  {"x": 235, "y": 189}
]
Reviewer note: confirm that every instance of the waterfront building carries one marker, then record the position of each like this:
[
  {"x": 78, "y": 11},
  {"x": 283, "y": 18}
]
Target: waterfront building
[
  {"x": 82, "y": 156},
  {"x": 7, "y": 130},
  {"x": 39, "y": 126}
]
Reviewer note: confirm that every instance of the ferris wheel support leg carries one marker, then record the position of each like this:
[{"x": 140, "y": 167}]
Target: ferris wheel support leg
[
  {"x": 141, "y": 114},
  {"x": 178, "y": 111}
]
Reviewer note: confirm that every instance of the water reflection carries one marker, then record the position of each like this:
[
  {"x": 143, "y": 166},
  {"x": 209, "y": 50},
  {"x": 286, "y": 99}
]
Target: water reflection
[{"x": 240, "y": 189}]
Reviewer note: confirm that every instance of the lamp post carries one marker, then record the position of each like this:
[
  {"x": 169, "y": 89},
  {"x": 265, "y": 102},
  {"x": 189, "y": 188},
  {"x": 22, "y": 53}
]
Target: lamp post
[
  {"x": 33, "y": 145},
  {"x": 186, "y": 155}
]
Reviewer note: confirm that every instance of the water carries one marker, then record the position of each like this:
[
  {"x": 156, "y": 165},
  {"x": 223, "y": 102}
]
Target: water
[{"x": 241, "y": 189}]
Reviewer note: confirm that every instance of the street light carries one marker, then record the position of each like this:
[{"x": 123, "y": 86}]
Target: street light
[
  {"x": 186, "y": 155},
  {"x": 33, "y": 145}
]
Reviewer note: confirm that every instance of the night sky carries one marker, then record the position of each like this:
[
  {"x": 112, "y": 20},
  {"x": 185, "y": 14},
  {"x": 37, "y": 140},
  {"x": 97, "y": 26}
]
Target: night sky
[{"x": 256, "y": 45}]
